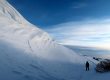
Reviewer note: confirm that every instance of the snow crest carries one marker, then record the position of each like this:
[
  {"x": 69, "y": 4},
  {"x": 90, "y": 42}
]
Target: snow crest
[{"x": 29, "y": 53}]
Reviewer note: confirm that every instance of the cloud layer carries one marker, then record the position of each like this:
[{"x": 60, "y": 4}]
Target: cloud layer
[{"x": 94, "y": 33}]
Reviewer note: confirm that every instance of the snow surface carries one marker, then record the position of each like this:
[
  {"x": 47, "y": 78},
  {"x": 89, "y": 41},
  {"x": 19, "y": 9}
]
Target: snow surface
[{"x": 29, "y": 53}]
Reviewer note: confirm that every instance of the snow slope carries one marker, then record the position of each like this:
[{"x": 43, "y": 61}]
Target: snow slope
[{"x": 29, "y": 53}]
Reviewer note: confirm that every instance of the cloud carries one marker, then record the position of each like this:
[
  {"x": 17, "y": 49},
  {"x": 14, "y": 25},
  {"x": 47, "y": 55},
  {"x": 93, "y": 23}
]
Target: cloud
[{"x": 94, "y": 33}]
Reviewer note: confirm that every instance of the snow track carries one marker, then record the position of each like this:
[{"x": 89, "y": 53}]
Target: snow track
[{"x": 30, "y": 46}]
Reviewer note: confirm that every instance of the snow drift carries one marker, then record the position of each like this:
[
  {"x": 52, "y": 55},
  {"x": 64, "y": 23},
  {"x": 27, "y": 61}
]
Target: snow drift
[{"x": 29, "y": 53}]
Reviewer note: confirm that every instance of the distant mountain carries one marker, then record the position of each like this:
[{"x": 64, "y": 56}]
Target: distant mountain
[{"x": 90, "y": 51}]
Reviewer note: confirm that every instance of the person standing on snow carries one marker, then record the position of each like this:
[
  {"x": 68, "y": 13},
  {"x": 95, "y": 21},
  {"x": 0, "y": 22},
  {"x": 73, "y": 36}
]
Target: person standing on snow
[{"x": 87, "y": 66}]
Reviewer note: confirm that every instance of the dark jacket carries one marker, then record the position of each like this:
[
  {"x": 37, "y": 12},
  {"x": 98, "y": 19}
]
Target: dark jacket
[{"x": 87, "y": 64}]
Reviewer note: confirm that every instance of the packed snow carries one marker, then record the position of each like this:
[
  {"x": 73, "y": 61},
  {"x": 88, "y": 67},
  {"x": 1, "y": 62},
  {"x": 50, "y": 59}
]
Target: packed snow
[{"x": 29, "y": 53}]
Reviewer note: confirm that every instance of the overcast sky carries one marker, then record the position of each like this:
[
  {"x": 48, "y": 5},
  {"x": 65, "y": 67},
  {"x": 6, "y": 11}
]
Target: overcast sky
[{"x": 71, "y": 22}]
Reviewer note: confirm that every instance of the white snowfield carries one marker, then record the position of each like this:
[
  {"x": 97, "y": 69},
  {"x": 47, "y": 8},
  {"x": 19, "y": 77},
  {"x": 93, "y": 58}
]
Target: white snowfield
[{"x": 29, "y": 53}]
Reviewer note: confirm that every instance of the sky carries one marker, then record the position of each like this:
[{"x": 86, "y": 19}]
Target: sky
[{"x": 70, "y": 22}]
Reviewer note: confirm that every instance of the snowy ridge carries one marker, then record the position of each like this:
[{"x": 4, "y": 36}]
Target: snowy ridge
[
  {"x": 16, "y": 30},
  {"x": 8, "y": 11},
  {"x": 29, "y": 53},
  {"x": 12, "y": 17}
]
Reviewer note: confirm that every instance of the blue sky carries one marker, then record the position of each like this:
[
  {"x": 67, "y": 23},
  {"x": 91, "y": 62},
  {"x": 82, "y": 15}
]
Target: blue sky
[{"x": 71, "y": 22}]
